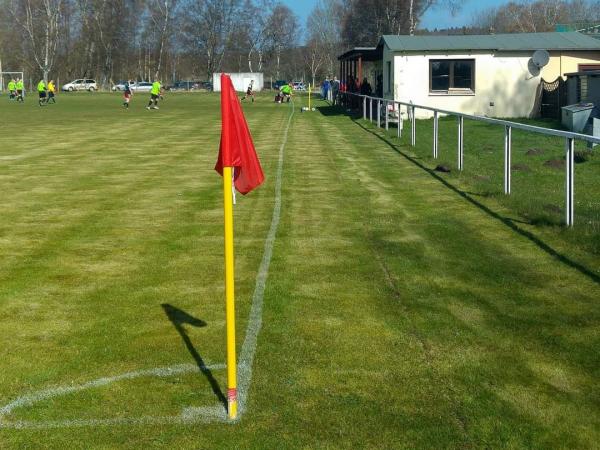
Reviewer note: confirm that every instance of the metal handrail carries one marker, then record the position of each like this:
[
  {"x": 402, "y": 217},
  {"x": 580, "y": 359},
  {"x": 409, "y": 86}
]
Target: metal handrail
[
  {"x": 569, "y": 137},
  {"x": 507, "y": 123}
]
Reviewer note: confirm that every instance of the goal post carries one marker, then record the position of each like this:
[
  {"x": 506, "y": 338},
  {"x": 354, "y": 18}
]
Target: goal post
[{"x": 6, "y": 76}]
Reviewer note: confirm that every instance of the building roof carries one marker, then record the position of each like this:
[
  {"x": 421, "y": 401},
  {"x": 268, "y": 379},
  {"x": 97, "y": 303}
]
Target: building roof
[
  {"x": 366, "y": 53},
  {"x": 587, "y": 73},
  {"x": 504, "y": 42}
]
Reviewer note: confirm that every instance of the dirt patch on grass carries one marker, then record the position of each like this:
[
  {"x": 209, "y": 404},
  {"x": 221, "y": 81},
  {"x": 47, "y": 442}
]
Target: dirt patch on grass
[
  {"x": 553, "y": 209},
  {"x": 534, "y": 152},
  {"x": 555, "y": 164},
  {"x": 520, "y": 168},
  {"x": 442, "y": 168}
]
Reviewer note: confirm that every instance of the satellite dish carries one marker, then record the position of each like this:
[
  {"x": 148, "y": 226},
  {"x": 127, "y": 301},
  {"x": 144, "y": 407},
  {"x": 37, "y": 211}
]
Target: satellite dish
[{"x": 540, "y": 58}]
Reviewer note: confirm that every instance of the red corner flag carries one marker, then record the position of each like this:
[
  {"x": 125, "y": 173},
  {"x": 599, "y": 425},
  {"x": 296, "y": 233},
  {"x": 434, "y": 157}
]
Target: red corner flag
[{"x": 237, "y": 149}]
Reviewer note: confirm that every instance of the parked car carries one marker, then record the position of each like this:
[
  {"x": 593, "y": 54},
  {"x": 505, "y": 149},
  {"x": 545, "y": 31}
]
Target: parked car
[
  {"x": 278, "y": 84},
  {"x": 191, "y": 86},
  {"x": 179, "y": 86},
  {"x": 185, "y": 86},
  {"x": 299, "y": 85},
  {"x": 119, "y": 86},
  {"x": 81, "y": 84},
  {"x": 205, "y": 85},
  {"x": 141, "y": 86}
]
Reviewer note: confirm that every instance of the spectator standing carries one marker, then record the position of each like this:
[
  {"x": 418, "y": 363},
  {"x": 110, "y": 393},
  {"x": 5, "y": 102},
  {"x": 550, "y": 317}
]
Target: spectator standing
[
  {"x": 365, "y": 87},
  {"x": 325, "y": 89},
  {"x": 335, "y": 90}
]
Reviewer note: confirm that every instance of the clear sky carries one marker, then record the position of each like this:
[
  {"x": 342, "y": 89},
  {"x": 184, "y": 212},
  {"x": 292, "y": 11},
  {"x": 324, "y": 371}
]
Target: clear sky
[
  {"x": 302, "y": 8},
  {"x": 435, "y": 18}
]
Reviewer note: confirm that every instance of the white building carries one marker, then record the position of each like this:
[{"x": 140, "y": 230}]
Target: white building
[
  {"x": 240, "y": 81},
  {"x": 486, "y": 75}
]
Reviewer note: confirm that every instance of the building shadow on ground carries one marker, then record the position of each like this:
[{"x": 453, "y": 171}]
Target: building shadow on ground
[
  {"x": 336, "y": 110},
  {"x": 179, "y": 318},
  {"x": 508, "y": 221}
]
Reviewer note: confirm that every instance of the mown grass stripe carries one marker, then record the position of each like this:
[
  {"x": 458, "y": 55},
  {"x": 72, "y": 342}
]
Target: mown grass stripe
[{"x": 255, "y": 318}]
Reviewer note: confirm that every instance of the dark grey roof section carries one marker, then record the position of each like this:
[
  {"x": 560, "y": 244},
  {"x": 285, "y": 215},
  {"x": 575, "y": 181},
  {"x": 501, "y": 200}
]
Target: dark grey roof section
[
  {"x": 367, "y": 53},
  {"x": 587, "y": 73},
  {"x": 499, "y": 42}
]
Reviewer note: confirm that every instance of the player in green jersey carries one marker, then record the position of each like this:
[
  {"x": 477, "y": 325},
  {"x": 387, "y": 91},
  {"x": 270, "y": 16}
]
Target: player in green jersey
[
  {"x": 41, "y": 88},
  {"x": 20, "y": 90},
  {"x": 12, "y": 89},
  {"x": 154, "y": 95}
]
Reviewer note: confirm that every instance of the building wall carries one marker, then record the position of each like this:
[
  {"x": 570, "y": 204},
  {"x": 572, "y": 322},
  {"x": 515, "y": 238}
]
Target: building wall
[
  {"x": 567, "y": 62},
  {"x": 506, "y": 85},
  {"x": 240, "y": 81},
  {"x": 389, "y": 56}
]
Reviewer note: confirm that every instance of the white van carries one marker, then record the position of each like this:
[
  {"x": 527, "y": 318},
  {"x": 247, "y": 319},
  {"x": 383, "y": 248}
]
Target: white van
[{"x": 82, "y": 84}]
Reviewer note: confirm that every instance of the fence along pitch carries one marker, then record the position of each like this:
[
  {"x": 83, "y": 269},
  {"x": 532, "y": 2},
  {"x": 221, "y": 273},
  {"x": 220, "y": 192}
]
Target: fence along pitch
[{"x": 570, "y": 138}]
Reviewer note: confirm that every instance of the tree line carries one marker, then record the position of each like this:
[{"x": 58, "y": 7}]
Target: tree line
[
  {"x": 111, "y": 40},
  {"x": 537, "y": 16}
]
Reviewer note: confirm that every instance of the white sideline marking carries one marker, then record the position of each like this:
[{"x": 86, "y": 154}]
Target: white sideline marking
[
  {"x": 255, "y": 318},
  {"x": 191, "y": 414}
]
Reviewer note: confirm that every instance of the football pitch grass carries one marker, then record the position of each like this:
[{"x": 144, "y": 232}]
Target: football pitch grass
[{"x": 400, "y": 310}]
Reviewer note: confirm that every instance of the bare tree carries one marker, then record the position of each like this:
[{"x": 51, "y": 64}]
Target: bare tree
[
  {"x": 257, "y": 29},
  {"x": 281, "y": 32},
  {"x": 207, "y": 30},
  {"x": 538, "y": 16},
  {"x": 161, "y": 15},
  {"x": 314, "y": 57},
  {"x": 40, "y": 22},
  {"x": 107, "y": 16},
  {"x": 324, "y": 31},
  {"x": 365, "y": 21}
]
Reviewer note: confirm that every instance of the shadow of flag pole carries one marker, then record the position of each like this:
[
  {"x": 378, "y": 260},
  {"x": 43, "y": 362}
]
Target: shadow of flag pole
[{"x": 240, "y": 167}]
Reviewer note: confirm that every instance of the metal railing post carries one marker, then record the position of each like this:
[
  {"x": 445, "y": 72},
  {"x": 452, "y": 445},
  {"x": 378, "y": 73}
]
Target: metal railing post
[
  {"x": 461, "y": 123},
  {"x": 371, "y": 109},
  {"x": 378, "y": 113},
  {"x": 399, "y": 120},
  {"x": 570, "y": 181},
  {"x": 387, "y": 115},
  {"x": 436, "y": 128},
  {"x": 507, "y": 158},
  {"x": 364, "y": 108},
  {"x": 413, "y": 127}
]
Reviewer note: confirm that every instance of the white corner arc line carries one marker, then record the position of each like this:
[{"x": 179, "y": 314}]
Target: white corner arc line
[
  {"x": 188, "y": 415},
  {"x": 206, "y": 414},
  {"x": 36, "y": 397}
]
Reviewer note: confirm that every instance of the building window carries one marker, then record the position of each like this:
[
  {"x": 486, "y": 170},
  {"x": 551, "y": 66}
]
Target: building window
[
  {"x": 389, "y": 76},
  {"x": 452, "y": 75}
]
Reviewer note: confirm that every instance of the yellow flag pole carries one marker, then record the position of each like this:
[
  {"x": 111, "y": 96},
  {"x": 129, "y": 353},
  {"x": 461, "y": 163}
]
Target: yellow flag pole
[{"x": 229, "y": 294}]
